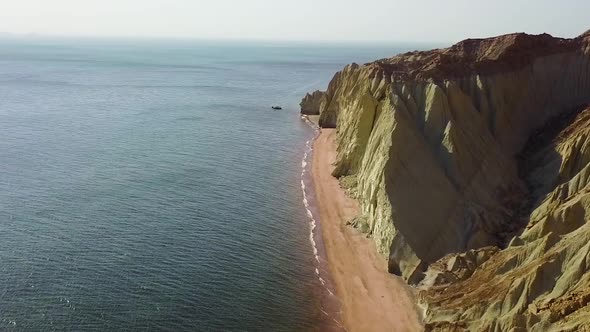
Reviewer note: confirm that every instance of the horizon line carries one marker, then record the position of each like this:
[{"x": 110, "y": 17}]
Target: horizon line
[{"x": 33, "y": 35}]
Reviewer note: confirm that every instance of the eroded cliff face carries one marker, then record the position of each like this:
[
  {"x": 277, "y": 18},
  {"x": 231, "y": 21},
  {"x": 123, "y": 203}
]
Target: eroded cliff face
[
  {"x": 434, "y": 146},
  {"x": 541, "y": 282},
  {"x": 312, "y": 102}
]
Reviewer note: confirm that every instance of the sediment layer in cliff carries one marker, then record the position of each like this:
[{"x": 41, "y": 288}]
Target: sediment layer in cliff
[{"x": 434, "y": 145}]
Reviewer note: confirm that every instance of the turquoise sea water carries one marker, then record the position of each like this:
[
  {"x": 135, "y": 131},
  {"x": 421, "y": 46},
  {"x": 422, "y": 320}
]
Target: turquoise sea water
[{"x": 148, "y": 186}]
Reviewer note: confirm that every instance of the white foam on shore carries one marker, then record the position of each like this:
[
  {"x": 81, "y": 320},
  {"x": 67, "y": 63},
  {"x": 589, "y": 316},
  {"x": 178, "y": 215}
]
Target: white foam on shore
[
  {"x": 305, "y": 163},
  {"x": 309, "y": 122},
  {"x": 312, "y": 220}
]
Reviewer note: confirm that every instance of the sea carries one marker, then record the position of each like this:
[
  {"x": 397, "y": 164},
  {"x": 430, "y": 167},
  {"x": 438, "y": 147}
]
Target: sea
[{"x": 147, "y": 185}]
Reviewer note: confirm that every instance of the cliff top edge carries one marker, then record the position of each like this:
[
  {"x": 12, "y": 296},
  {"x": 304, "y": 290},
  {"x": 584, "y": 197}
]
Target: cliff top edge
[{"x": 478, "y": 56}]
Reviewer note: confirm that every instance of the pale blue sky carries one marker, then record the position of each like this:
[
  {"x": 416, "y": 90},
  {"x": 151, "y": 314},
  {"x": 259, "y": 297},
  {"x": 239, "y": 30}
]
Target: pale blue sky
[{"x": 337, "y": 20}]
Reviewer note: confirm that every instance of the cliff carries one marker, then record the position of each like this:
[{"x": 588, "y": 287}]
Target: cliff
[
  {"x": 470, "y": 165},
  {"x": 311, "y": 103}
]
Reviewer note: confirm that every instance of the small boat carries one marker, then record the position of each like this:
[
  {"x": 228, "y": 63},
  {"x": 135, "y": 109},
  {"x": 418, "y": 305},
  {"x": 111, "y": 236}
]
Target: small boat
[{"x": 276, "y": 107}]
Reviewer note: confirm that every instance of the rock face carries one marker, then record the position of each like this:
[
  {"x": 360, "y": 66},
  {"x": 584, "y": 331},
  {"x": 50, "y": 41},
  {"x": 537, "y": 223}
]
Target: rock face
[
  {"x": 541, "y": 282},
  {"x": 441, "y": 148},
  {"x": 311, "y": 103}
]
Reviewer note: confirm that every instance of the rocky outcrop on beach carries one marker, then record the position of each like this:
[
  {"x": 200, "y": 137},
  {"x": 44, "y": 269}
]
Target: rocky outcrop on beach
[
  {"x": 311, "y": 103},
  {"x": 471, "y": 167}
]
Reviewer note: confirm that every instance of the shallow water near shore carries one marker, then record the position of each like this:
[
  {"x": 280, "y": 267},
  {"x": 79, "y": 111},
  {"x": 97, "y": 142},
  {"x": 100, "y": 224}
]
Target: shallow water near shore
[{"x": 148, "y": 185}]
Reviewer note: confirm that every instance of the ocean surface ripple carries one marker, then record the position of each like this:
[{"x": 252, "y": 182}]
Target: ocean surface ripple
[{"x": 148, "y": 186}]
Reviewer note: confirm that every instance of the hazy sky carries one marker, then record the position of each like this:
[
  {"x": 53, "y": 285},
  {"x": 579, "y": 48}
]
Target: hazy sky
[{"x": 369, "y": 20}]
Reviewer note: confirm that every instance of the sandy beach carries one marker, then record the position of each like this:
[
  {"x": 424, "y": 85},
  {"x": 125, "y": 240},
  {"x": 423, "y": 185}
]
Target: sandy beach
[{"x": 372, "y": 299}]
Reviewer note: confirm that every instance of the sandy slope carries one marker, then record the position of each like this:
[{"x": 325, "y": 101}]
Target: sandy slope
[{"x": 372, "y": 299}]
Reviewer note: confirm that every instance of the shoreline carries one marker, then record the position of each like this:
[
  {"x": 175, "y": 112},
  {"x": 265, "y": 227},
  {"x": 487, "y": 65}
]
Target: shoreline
[
  {"x": 328, "y": 302},
  {"x": 371, "y": 299}
]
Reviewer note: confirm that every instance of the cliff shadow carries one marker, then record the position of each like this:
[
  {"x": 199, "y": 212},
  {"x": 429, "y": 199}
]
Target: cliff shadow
[{"x": 539, "y": 163}]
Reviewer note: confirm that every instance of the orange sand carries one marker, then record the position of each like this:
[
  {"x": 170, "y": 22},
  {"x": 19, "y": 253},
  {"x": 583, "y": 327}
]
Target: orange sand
[{"x": 372, "y": 299}]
